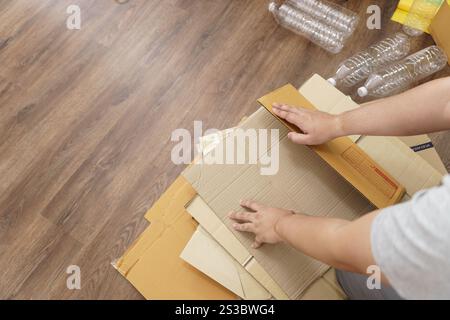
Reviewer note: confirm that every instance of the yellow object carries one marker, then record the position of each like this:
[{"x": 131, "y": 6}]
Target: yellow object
[
  {"x": 400, "y": 16},
  {"x": 417, "y": 14},
  {"x": 405, "y": 5}
]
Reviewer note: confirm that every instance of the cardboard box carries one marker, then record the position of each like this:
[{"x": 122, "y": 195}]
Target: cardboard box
[
  {"x": 221, "y": 189},
  {"x": 406, "y": 166},
  {"x": 440, "y": 28}
]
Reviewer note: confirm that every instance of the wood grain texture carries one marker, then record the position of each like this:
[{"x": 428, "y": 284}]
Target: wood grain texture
[{"x": 86, "y": 118}]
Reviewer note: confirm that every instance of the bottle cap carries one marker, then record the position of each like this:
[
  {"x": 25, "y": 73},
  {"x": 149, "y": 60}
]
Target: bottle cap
[
  {"x": 332, "y": 81},
  {"x": 362, "y": 92}
]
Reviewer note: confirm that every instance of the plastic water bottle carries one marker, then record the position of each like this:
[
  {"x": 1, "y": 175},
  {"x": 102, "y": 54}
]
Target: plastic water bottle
[
  {"x": 399, "y": 76},
  {"x": 303, "y": 24},
  {"x": 358, "y": 67},
  {"x": 335, "y": 16}
]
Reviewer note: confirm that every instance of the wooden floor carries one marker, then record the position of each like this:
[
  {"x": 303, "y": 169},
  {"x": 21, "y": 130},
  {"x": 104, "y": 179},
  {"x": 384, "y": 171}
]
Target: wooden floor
[{"x": 86, "y": 118}]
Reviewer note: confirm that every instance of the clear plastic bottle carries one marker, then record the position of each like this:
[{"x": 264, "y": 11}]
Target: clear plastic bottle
[
  {"x": 358, "y": 67},
  {"x": 334, "y": 15},
  {"x": 303, "y": 24},
  {"x": 399, "y": 76}
]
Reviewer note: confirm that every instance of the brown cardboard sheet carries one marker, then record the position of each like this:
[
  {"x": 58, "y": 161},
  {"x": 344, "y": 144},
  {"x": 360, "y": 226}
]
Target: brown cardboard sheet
[
  {"x": 152, "y": 264},
  {"x": 304, "y": 183},
  {"x": 344, "y": 156}
]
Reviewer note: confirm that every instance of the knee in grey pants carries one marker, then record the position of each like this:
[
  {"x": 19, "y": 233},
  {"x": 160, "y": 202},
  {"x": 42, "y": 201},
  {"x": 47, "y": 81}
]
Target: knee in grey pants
[{"x": 355, "y": 287}]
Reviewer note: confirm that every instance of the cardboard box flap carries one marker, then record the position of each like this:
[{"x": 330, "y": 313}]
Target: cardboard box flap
[{"x": 344, "y": 156}]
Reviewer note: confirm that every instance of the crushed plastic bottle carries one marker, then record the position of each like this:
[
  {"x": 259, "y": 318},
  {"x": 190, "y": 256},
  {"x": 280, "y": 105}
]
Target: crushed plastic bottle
[
  {"x": 358, "y": 67},
  {"x": 329, "y": 13},
  {"x": 399, "y": 76},
  {"x": 303, "y": 24}
]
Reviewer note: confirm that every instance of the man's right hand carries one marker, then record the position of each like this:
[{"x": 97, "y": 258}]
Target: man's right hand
[{"x": 317, "y": 127}]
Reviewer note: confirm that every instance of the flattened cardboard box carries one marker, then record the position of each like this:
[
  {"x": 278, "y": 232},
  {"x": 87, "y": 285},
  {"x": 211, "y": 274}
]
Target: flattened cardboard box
[
  {"x": 406, "y": 165},
  {"x": 152, "y": 264},
  {"x": 374, "y": 146},
  {"x": 328, "y": 99},
  {"x": 304, "y": 183},
  {"x": 242, "y": 280}
]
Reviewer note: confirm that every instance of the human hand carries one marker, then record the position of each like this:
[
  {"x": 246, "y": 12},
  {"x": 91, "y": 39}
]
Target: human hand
[
  {"x": 317, "y": 127},
  {"x": 261, "y": 222}
]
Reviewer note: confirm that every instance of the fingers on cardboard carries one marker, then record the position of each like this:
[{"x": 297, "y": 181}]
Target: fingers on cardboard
[{"x": 251, "y": 204}]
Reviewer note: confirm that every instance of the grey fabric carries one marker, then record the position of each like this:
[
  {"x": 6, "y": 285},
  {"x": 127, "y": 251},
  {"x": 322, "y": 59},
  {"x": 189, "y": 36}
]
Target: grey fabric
[
  {"x": 411, "y": 244},
  {"x": 355, "y": 287}
]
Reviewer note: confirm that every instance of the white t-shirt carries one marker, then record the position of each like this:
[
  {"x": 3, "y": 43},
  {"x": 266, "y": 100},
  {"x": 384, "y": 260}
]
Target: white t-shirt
[{"x": 411, "y": 244}]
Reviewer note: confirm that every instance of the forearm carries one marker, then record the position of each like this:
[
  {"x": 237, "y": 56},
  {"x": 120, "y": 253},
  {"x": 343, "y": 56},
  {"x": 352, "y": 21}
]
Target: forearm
[
  {"x": 423, "y": 109},
  {"x": 339, "y": 243}
]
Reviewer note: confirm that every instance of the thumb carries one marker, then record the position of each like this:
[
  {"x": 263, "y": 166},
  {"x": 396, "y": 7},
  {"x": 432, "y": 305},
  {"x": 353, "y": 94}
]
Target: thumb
[{"x": 299, "y": 138}]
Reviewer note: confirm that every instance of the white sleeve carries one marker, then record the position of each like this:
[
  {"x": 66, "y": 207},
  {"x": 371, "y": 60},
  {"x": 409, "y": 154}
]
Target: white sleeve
[{"x": 411, "y": 244}]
